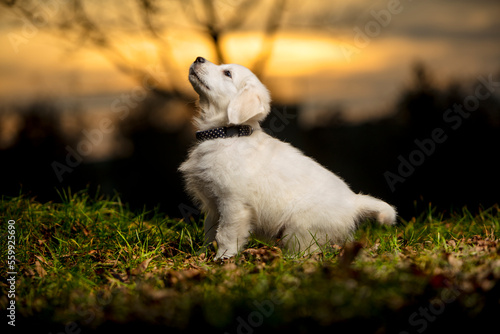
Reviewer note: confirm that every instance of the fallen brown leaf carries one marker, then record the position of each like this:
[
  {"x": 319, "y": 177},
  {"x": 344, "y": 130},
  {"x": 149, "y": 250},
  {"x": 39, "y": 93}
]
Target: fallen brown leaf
[
  {"x": 141, "y": 267},
  {"x": 39, "y": 269},
  {"x": 265, "y": 254},
  {"x": 41, "y": 259}
]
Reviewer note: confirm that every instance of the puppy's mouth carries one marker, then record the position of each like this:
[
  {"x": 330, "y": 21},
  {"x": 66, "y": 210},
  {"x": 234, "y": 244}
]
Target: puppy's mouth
[{"x": 196, "y": 80}]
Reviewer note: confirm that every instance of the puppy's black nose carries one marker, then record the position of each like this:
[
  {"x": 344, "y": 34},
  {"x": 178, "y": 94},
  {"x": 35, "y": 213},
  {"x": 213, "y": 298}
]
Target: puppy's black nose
[{"x": 199, "y": 60}]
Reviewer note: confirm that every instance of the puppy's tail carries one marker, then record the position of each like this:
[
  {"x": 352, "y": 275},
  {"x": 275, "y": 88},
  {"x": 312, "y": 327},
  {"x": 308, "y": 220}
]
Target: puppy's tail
[{"x": 370, "y": 207}]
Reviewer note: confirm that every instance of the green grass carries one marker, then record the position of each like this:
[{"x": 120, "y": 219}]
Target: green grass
[{"x": 92, "y": 264}]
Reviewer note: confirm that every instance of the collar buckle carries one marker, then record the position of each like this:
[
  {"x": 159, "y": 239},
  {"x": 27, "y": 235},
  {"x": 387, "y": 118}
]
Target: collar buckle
[{"x": 232, "y": 131}]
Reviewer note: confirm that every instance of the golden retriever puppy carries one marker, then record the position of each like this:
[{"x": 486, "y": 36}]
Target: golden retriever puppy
[{"x": 248, "y": 182}]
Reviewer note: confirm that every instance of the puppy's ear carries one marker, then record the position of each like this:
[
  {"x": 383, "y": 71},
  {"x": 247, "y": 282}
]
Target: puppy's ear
[{"x": 251, "y": 103}]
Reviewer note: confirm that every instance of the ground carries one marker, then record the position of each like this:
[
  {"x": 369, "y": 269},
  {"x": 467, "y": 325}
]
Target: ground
[{"x": 90, "y": 264}]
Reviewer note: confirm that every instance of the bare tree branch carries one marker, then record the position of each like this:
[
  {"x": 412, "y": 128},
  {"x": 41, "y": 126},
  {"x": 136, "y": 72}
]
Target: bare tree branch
[
  {"x": 214, "y": 30},
  {"x": 8, "y": 3},
  {"x": 81, "y": 29},
  {"x": 237, "y": 20},
  {"x": 90, "y": 32},
  {"x": 272, "y": 26},
  {"x": 164, "y": 48}
]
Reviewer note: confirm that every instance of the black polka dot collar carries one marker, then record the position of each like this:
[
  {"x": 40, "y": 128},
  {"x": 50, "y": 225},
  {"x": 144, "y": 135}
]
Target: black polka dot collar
[{"x": 225, "y": 132}]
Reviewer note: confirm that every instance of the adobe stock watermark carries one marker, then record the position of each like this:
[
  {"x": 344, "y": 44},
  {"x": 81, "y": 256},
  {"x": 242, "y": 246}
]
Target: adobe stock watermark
[
  {"x": 263, "y": 309},
  {"x": 120, "y": 106},
  {"x": 43, "y": 12},
  {"x": 11, "y": 272},
  {"x": 453, "y": 117},
  {"x": 371, "y": 29},
  {"x": 278, "y": 120},
  {"x": 424, "y": 316},
  {"x": 88, "y": 315}
]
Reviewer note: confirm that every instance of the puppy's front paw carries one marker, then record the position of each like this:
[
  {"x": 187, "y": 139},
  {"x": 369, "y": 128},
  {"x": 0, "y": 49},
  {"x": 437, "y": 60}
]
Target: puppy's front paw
[{"x": 224, "y": 254}]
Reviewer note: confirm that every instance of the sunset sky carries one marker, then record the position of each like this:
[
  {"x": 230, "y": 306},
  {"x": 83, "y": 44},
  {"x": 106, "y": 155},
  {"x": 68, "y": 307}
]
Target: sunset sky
[{"x": 353, "y": 54}]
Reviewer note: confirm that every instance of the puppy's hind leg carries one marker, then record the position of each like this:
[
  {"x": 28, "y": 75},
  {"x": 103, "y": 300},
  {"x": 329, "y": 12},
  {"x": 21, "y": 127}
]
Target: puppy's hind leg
[{"x": 371, "y": 207}]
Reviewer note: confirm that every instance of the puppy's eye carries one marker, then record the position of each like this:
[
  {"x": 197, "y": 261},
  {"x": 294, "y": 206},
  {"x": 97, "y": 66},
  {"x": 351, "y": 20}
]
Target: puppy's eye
[{"x": 228, "y": 74}]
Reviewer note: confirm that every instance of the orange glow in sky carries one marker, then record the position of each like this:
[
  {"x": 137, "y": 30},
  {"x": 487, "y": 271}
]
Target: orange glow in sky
[{"x": 308, "y": 66}]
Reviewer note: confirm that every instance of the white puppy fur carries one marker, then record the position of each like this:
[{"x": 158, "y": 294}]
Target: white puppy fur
[{"x": 258, "y": 184}]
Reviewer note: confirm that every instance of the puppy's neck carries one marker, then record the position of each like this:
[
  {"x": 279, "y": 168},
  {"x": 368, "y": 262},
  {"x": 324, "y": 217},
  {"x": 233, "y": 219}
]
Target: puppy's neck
[{"x": 210, "y": 117}]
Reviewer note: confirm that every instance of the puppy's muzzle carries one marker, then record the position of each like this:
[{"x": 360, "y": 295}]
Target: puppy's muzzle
[{"x": 194, "y": 76}]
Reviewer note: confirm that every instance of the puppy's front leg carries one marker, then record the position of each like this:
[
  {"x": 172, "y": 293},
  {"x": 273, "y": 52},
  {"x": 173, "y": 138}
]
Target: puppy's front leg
[
  {"x": 210, "y": 228},
  {"x": 233, "y": 230}
]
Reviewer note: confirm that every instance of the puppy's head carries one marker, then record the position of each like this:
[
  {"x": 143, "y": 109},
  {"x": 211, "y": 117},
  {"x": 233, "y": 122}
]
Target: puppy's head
[{"x": 229, "y": 93}]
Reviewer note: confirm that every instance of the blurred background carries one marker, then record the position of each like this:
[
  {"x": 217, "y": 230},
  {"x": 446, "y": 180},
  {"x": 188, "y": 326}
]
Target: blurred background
[{"x": 399, "y": 98}]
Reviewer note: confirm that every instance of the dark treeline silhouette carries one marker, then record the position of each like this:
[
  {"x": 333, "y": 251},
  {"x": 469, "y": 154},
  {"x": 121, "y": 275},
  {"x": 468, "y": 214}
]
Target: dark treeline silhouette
[{"x": 427, "y": 151}]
